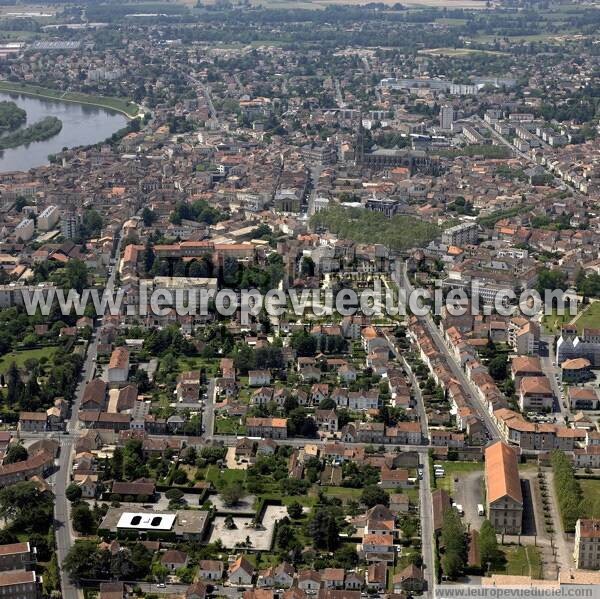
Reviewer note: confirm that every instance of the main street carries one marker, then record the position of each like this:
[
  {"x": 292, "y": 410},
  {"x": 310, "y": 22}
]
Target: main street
[
  {"x": 62, "y": 520},
  {"x": 400, "y": 277}
]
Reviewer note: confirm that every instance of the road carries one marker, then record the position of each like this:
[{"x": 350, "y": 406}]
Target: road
[
  {"x": 551, "y": 371},
  {"x": 208, "y": 416},
  {"x": 415, "y": 386},
  {"x": 61, "y": 479},
  {"x": 339, "y": 96},
  {"x": 400, "y": 277},
  {"x": 426, "y": 514},
  {"x": 207, "y": 96},
  {"x": 315, "y": 173}
]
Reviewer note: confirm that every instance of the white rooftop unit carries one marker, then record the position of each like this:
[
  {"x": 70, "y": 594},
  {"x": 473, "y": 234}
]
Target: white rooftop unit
[{"x": 146, "y": 521}]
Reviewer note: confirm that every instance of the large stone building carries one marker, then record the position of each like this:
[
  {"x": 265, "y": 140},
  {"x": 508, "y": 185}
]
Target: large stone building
[
  {"x": 503, "y": 488},
  {"x": 587, "y": 544}
]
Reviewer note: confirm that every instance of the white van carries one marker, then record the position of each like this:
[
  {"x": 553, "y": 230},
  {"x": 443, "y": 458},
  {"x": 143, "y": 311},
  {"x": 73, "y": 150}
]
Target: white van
[{"x": 480, "y": 510}]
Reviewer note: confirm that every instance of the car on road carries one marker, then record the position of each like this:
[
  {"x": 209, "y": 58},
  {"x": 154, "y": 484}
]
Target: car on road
[{"x": 161, "y": 585}]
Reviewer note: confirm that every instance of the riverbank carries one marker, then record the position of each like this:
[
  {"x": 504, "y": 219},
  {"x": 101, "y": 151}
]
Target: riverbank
[{"x": 128, "y": 109}]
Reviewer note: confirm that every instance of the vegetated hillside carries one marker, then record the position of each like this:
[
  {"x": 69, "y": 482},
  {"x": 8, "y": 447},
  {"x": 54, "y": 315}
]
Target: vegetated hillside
[{"x": 363, "y": 226}]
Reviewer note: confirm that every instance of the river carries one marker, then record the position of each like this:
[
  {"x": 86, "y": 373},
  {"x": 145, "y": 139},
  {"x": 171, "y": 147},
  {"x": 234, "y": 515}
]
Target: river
[{"x": 81, "y": 125}]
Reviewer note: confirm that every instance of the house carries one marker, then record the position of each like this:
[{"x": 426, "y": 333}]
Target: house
[
  {"x": 94, "y": 396},
  {"x": 376, "y": 578},
  {"x": 88, "y": 483},
  {"x": 118, "y": 367},
  {"x": 347, "y": 374},
  {"x": 576, "y": 370},
  {"x": 273, "y": 428},
  {"x": 522, "y": 366},
  {"x": 377, "y": 548},
  {"x": 15, "y": 556},
  {"x": 141, "y": 490},
  {"x": 259, "y": 378},
  {"x": 283, "y": 575},
  {"x": 36, "y": 465},
  {"x": 210, "y": 569},
  {"x": 399, "y": 503},
  {"x": 20, "y": 584},
  {"x": 354, "y": 581},
  {"x": 173, "y": 559},
  {"x": 410, "y": 579},
  {"x": 262, "y": 396},
  {"x": 332, "y": 578},
  {"x": 34, "y": 422},
  {"x": 337, "y": 594},
  {"x": 535, "y": 393},
  {"x": 309, "y": 580},
  {"x": 326, "y": 420},
  {"x": 197, "y": 590},
  {"x": 112, "y": 590},
  {"x": 241, "y": 572},
  {"x": 503, "y": 488},
  {"x": 587, "y": 457},
  {"x": 392, "y": 479},
  {"x": 583, "y": 398},
  {"x": 258, "y": 594}
]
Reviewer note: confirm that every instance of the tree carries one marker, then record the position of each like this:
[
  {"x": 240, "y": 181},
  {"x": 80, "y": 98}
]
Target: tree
[
  {"x": 498, "y": 367},
  {"x": 85, "y": 561},
  {"x": 148, "y": 216},
  {"x": 323, "y": 529},
  {"x": 73, "y": 492},
  {"x": 304, "y": 343},
  {"x": 174, "y": 494},
  {"x": 488, "y": 543},
  {"x": 454, "y": 541},
  {"x": 294, "y": 510},
  {"x": 16, "y": 453},
  {"x": 83, "y": 519},
  {"x": 24, "y": 504},
  {"x": 232, "y": 494},
  {"x": 374, "y": 495}
]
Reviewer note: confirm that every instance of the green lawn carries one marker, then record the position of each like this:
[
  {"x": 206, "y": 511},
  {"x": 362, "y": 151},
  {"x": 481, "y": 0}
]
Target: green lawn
[
  {"x": 553, "y": 322},
  {"x": 521, "y": 561},
  {"x": 219, "y": 478},
  {"x": 126, "y": 107},
  {"x": 20, "y": 357},
  {"x": 591, "y": 497},
  {"x": 210, "y": 367},
  {"x": 344, "y": 493},
  {"x": 590, "y": 318},
  {"x": 226, "y": 425}
]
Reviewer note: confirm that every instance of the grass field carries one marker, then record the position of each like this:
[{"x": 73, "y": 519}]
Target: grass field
[
  {"x": 590, "y": 318},
  {"x": 218, "y": 478},
  {"x": 225, "y": 425},
  {"x": 20, "y": 357},
  {"x": 129, "y": 109},
  {"x": 521, "y": 561},
  {"x": 344, "y": 493},
  {"x": 553, "y": 322},
  {"x": 591, "y": 497},
  {"x": 199, "y": 363}
]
